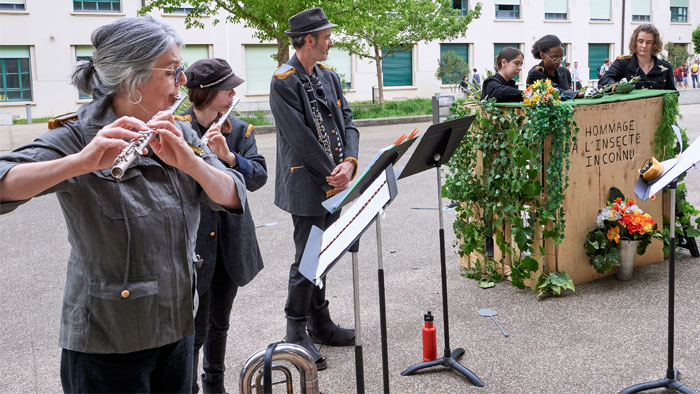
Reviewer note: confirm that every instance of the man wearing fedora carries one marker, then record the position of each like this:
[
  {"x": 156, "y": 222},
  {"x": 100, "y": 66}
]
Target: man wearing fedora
[{"x": 317, "y": 146}]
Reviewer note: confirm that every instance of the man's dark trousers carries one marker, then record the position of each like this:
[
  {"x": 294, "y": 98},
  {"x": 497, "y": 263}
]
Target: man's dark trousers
[{"x": 303, "y": 296}]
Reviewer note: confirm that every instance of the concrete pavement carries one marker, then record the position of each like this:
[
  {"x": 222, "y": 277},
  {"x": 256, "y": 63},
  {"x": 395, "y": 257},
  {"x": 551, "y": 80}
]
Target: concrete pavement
[{"x": 606, "y": 336}]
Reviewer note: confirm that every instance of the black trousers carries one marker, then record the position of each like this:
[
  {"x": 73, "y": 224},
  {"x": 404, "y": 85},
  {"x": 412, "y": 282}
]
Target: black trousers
[
  {"x": 165, "y": 369},
  {"x": 211, "y": 326},
  {"x": 303, "y": 296}
]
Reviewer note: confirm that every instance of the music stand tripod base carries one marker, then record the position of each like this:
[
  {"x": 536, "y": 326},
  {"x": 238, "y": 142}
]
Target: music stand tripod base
[{"x": 435, "y": 148}]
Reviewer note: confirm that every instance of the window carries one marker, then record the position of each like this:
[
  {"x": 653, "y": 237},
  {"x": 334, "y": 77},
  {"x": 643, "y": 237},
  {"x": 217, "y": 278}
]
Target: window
[
  {"x": 641, "y": 10},
  {"x": 497, "y": 48},
  {"x": 460, "y": 49},
  {"x": 600, "y": 10},
  {"x": 181, "y": 10},
  {"x": 83, "y": 52},
  {"x": 397, "y": 68},
  {"x": 555, "y": 10},
  {"x": 259, "y": 67},
  {"x": 462, "y": 6},
  {"x": 16, "y": 76},
  {"x": 12, "y": 5},
  {"x": 679, "y": 11},
  {"x": 507, "y": 9},
  {"x": 97, "y": 5},
  {"x": 341, "y": 62},
  {"x": 597, "y": 53},
  {"x": 191, "y": 53}
]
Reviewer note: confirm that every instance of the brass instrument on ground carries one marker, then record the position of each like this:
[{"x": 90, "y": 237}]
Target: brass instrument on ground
[
  {"x": 222, "y": 119},
  {"x": 294, "y": 354},
  {"x": 137, "y": 145}
]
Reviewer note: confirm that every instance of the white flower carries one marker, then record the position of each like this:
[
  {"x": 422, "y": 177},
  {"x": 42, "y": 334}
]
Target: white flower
[
  {"x": 662, "y": 67},
  {"x": 633, "y": 208}
]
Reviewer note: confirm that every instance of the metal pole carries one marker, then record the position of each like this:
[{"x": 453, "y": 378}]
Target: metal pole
[
  {"x": 29, "y": 113},
  {"x": 359, "y": 364},
  {"x": 382, "y": 305}
]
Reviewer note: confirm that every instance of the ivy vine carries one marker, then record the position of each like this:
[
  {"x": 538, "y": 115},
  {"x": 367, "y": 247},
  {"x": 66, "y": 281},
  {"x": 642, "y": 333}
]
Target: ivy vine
[{"x": 501, "y": 169}]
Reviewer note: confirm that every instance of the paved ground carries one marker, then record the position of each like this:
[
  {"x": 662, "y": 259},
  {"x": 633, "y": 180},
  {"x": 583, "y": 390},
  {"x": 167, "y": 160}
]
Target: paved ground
[{"x": 605, "y": 337}]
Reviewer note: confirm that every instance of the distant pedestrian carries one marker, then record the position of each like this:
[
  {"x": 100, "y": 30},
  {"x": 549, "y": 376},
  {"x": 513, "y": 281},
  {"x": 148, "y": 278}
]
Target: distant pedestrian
[
  {"x": 694, "y": 73},
  {"x": 686, "y": 74},
  {"x": 476, "y": 78},
  {"x": 577, "y": 76},
  {"x": 603, "y": 68},
  {"x": 571, "y": 75},
  {"x": 464, "y": 85},
  {"x": 678, "y": 76}
]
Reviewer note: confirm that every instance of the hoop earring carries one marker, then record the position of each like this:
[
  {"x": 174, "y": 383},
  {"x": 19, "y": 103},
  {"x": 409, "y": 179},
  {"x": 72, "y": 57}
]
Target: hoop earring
[{"x": 137, "y": 101}]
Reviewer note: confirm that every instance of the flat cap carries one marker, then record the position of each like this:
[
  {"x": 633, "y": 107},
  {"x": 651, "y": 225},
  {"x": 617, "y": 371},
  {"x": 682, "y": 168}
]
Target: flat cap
[{"x": 211, "y": 73}]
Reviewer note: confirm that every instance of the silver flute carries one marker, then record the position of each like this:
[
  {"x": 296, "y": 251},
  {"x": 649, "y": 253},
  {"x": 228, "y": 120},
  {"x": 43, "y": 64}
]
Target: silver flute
[
  {"x": 137, "y": 145},
  {"x": 222, "y": 119}
]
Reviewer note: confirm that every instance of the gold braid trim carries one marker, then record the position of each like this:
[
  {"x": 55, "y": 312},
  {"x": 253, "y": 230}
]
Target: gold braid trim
[
  {"x": 353, "y": 161},
  {"x": 332, "y": 193},
  {"x": 326, "y": 67},
  {"x": 250, "y": 130},
  {"x": 183, "y": 118},
  {"x": 285, "y": 74},
  {"x": 623, "y": 57},
  {"x": 60, "y": 120}
]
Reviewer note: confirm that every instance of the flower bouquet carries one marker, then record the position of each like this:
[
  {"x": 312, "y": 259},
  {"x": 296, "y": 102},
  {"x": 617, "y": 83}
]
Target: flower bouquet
[
  {"x": 540, "y": 92},
  {"x": 620, "y": 220}
]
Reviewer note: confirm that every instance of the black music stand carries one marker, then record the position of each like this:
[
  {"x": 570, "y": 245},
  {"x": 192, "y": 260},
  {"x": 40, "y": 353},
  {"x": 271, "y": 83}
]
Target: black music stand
[
  {"x": 673, "y": 169},
  {"x": 435, "y": 148}
]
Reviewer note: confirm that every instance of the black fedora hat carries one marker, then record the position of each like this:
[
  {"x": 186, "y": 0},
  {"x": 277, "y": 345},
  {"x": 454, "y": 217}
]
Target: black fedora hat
[
  {"x": 308, "y": 21},
  {"x": 211, "y": 73}
]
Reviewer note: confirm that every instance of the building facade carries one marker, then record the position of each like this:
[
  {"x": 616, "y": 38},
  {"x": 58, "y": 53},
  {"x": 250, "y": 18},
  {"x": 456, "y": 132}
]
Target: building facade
[{"x": 40, "y": 41}]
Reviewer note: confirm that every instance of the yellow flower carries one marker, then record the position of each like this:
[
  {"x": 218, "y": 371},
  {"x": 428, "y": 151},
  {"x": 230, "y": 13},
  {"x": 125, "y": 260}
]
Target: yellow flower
[{"x": 614, "y": 234}]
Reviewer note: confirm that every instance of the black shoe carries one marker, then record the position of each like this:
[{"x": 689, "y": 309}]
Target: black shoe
[
  {"x": 322, "y": 330},
  {"x": 296, "y": 334}
]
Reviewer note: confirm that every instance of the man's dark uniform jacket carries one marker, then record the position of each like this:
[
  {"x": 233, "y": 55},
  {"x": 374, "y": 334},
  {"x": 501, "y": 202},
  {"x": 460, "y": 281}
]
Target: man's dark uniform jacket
[
  {"x": 302, "y": 163},
  {"x": 659, "y": 77}
]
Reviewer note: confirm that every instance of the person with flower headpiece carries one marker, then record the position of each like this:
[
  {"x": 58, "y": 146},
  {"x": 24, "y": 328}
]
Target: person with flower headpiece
[
  {"x": 317, "y": 146},
  {"x": 654, "y": 72},
  {"x": 227, "y": 244},
  {"x": 550, "y": 50}
]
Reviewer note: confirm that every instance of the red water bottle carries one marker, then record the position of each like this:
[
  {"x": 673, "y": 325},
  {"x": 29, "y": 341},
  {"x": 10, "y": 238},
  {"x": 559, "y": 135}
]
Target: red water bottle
[{"x": 429, "y": 339}]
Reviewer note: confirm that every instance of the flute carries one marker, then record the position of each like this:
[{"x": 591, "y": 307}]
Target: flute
[
  {"x": 137, "y": 145},
  {"x": 222, "y": 119}
]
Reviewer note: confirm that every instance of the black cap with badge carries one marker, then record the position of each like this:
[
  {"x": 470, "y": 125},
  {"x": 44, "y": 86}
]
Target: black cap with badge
[
  {"x": 211, "y": 73},
  {"x": 308, "y": 21}
]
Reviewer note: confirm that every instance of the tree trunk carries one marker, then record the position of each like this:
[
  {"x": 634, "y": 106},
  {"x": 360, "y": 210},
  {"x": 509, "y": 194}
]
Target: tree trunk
[
  {"x": 282, "y": 51},
  {"x": 380, "y": 79}
]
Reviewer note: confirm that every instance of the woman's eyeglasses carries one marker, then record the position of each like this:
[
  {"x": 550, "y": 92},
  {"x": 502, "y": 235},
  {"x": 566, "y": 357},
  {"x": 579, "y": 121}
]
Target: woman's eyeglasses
[
  {"x": 556, "y": 59},
  {"x": 177, "y": 71}
]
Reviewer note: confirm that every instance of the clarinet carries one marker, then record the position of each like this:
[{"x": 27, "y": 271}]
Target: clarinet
[
  {"x": 137, "y": 145},
  {"x": 222, "y": 119},
  {"x": 318, "y": 120}
]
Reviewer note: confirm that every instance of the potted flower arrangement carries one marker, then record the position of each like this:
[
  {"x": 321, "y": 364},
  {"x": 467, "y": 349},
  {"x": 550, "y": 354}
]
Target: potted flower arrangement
[{"x": 622, "y": 230}]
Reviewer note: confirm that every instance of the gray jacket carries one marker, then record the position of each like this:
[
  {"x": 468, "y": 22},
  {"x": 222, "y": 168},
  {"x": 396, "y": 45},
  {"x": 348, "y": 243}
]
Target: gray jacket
[
  {"x": 151, "y": 217},
  {"x": 302, "y": 164},
  {"x": 233, "y": 237}
]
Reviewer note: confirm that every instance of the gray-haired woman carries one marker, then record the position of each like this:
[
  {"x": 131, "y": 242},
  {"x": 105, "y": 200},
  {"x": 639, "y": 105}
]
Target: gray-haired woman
[{"x": 127, "y": 322}]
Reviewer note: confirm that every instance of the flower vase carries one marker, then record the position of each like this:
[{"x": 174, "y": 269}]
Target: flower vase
[{"x": 628, "y": 252}]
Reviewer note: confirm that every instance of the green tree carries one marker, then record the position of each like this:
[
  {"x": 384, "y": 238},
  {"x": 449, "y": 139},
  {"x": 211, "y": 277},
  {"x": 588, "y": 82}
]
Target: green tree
[
  {"x": 696, "y": 40},
  {"x": 375, "y": 29},
  {"x": 451, "y": 69},
  {"x": 677, "y": 54},
  {"x": 268, "y": 19}
]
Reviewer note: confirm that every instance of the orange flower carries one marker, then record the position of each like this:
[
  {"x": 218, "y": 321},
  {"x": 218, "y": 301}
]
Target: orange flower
[{"x": 614, "y": 234}]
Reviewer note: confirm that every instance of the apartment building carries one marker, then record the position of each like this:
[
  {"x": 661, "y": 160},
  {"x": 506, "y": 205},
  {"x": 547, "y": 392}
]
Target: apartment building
[{"x": 40, "y": 40}]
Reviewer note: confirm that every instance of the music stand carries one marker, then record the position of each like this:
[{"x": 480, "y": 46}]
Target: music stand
[
  {"x": 325, "y": 248},
  {"x": 673, "y": 169},
  {"x": 435, "y": 148}
]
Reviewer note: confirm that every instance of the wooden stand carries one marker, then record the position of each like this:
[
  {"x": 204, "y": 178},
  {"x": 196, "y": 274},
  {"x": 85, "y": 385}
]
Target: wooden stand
[{"x": 613, "y": 140}]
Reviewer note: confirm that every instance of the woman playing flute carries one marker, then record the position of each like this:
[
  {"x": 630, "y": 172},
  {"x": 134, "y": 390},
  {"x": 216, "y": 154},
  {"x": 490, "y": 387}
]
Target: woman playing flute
[
  {"x": 227, "y": 244},
  {"x": 128, "y": 307}
]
